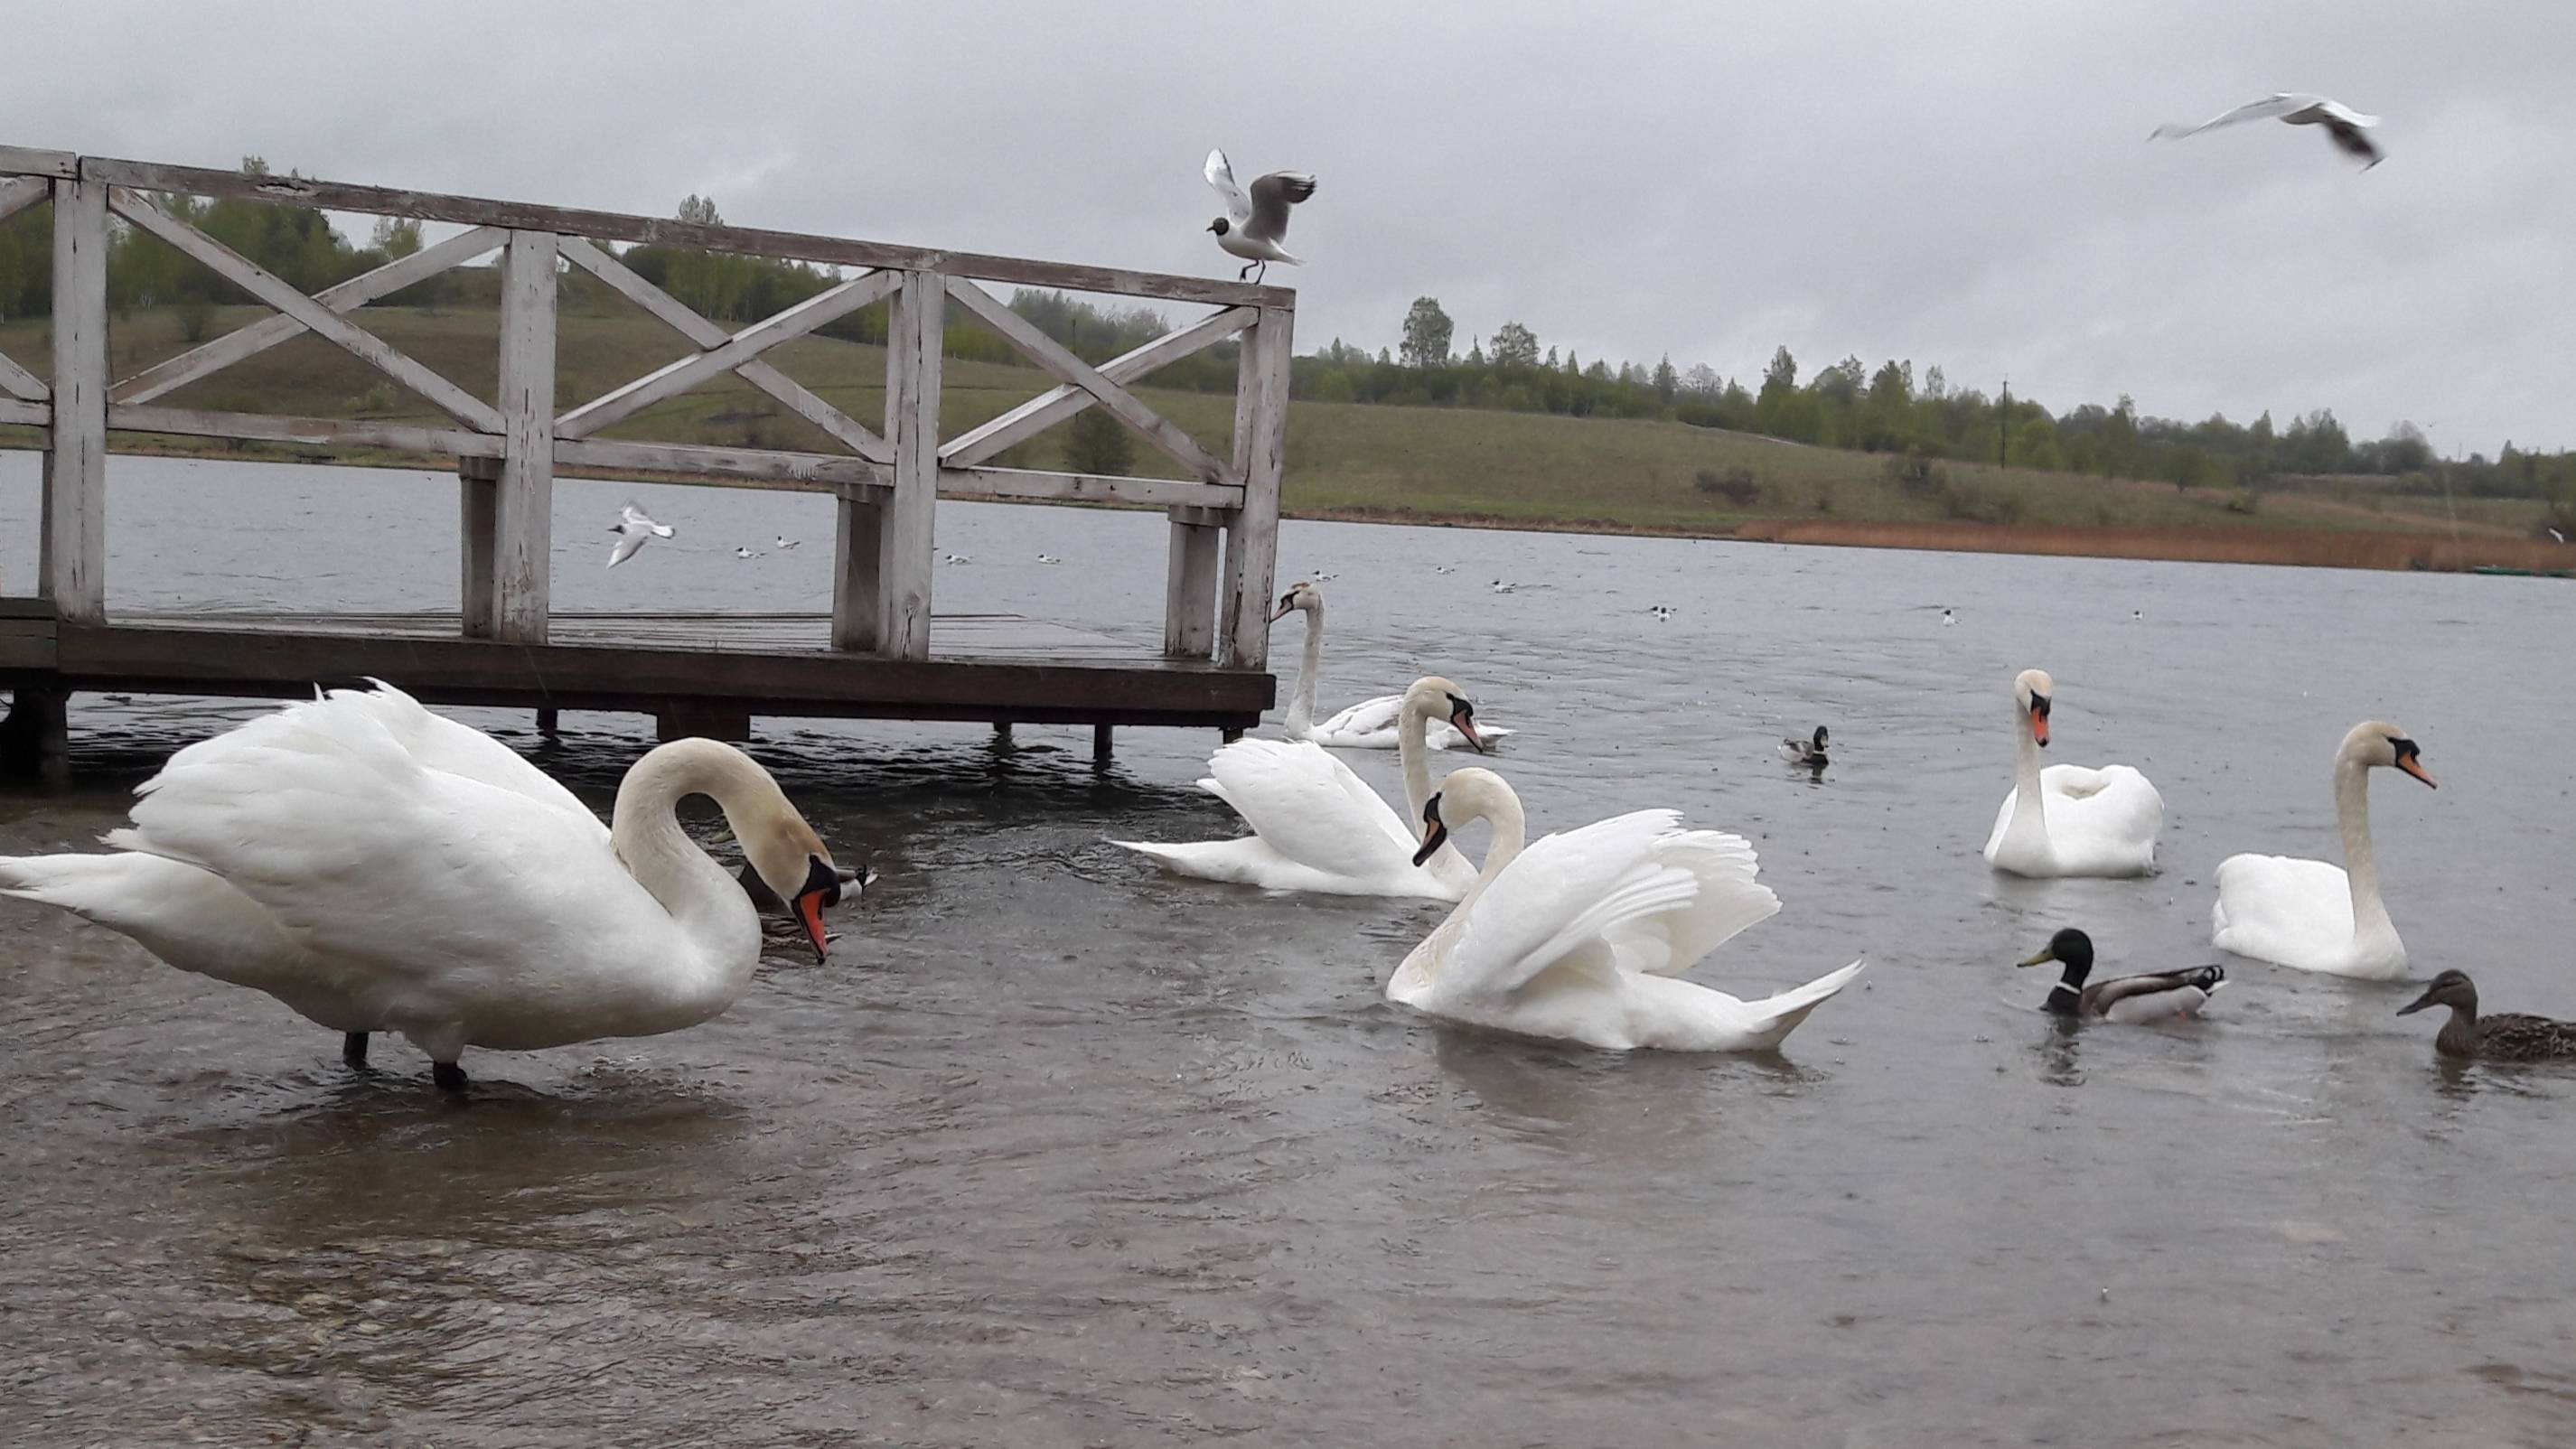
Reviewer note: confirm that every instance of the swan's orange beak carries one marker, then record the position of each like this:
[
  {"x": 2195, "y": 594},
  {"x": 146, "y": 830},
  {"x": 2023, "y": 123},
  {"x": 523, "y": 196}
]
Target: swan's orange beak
[
  {"x": 2039, "y": 721},
  {"x": 1435, "y": 834},
  {"x": 809, "y": 914},
  {"x": 2415, "y": 767},
  {"x": 1463, "y": 720}
]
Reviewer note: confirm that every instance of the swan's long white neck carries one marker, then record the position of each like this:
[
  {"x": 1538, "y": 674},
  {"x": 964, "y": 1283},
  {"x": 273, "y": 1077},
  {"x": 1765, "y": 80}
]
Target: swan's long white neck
[
  {"x": 1510, "y": 829},
  {"x": 2030, "y": 816},
  {"x": 707, "y": 906},
  {"x": 2361, "y": 867},
  {"x": 1301, "y": 704}
]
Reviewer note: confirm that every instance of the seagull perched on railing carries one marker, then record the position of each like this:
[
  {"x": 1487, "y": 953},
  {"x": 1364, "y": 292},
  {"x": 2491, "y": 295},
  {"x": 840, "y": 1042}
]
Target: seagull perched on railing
[
  {"x": 634, "y": 529},
  {"x": 1253, "y": 227},
  {"x": 2343, "y": 124}
]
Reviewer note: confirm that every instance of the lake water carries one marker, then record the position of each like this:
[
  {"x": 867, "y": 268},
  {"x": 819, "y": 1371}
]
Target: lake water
[{"x": 1059, "y": 1151}]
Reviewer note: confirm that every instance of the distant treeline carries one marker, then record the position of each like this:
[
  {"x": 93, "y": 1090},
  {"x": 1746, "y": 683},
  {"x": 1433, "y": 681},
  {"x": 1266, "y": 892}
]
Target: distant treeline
[{"x": 1845, "y": 405}]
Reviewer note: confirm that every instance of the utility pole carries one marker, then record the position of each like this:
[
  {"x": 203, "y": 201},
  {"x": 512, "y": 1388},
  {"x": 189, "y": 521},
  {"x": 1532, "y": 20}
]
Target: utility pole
[{"x": 2003, "y": 427}]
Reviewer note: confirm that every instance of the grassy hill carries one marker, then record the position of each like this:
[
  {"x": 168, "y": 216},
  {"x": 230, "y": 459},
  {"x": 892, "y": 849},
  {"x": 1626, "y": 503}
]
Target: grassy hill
[{"x": 1346, "y": 460}]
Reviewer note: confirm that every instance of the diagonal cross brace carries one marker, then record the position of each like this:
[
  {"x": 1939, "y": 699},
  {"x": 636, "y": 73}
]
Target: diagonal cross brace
[
  {"x": 1047, "y": 353},
  {"x": 741, "y": 347},
  {"x": 233, "y": 267},
  {"x": 1050, "y": 408},
  {"x": 851, "y": 433},
  {"x": 163, "y": 378}
]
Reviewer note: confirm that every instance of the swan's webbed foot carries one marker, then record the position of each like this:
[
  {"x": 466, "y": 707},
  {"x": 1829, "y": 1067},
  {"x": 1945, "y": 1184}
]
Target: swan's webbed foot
[
  {"x": 353, "y": 1050},
  {"x": 448, "y": 1075}
]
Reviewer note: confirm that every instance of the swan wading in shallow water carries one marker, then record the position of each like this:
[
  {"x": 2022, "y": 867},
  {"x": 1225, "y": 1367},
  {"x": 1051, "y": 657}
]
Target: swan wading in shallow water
[
  {"x": 378, "y": 867},
  {"x": 2148, "y": 996},
  {"x": 2505, "y": 1037},
  {"x": 2068, "y": 820},
  {"x": 1318, "y": 827},
  {"x": 1583, "y": 936},
  {"x": 1368, "y": 725},
  {"x": 2307, "y": 914}
]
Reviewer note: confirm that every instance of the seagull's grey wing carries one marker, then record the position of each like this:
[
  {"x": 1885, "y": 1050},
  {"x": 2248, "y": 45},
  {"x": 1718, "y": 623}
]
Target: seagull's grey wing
[
  {"x": 1221, "y": 176},
  {"x": 2334, "y": 111},
  {"x": 2349, "y": 137},
  {"x": 628, "y": 540},
  {"x": 2270, "y": 108},
  {"x": 1272, "y": 195}
]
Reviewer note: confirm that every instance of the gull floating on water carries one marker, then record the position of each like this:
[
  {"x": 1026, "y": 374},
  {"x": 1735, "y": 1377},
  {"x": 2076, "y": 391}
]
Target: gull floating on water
[
  {"x": 745, "y": 551},
  {"x": 1946, "y": 619},
  {"x": 783, "y": 542},
  {"x": 1048, "y": 558},
  {"x": 2344, "y": 125},
  {"x": 634, "y": 529},
  {"x": 1253, "y": 227},
  {"x": 1503, "y": 588},
  {"x": 955, "y": 558}
]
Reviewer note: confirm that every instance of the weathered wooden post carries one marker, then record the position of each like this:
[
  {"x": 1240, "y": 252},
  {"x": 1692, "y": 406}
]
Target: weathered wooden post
[
  {"x": 523, "y": 532},
  {"x": 1190, "y": 582},
  {"x": 858, "y": 549},
  {"x": 913, "y": 334},
  {"x": 1260, "y": 455},
  {"x": 478, "y": 490},
  {"x": 75, "y": 502}
]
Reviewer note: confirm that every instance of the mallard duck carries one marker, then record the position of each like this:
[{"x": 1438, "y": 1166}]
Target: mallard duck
[
  {"x": 1810, "y": 752},
  {"x": 2148, "y": 996},
  {"x": 2507, "y": 1036}
]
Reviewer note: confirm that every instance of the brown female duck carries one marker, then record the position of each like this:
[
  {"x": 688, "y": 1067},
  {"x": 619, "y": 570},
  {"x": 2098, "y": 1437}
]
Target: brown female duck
[{"x": 2505, "y": 1037}]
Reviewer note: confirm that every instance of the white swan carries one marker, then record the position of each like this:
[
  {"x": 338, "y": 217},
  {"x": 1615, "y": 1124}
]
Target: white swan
[
  {"x": 2308, "y": 914},
  {"x": 2068, "y": 820},
  {"x": 1368, "y": 725},
  {"x": 1318, "y": 827},
  {"x": 380, "y": 868},
  {"x": 1582, "y": 936}
]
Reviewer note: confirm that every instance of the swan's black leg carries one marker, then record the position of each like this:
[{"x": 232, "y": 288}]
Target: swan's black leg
[
  {"x": 448, "y": 1075},
  {"x": 353, "y": 1049}
]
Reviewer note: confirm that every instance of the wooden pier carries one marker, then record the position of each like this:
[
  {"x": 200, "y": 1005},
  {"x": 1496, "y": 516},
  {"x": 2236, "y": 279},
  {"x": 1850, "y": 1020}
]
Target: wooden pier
[{"x": 880, "y": 652}]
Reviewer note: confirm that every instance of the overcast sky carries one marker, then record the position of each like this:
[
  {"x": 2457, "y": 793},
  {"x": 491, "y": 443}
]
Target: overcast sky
[{"x": 1964, "y": 184}]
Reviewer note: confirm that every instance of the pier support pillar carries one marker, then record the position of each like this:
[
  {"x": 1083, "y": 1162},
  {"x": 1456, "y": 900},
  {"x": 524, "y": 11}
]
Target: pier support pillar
[
  {"x": 548, "y": 721},
  {"x": 1001, "y": 732},
  {"x": 1100, "y": 746},
  {"x": 682, "y": 719},
  {"x": 478, "y": 487},
  {"x": 35, "y": 740}
]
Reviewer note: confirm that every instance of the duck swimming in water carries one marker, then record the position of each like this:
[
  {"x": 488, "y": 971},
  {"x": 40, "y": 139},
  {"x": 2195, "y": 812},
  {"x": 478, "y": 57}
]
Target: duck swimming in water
[
  {"x": 2149, "y": 996},
  {"x": 2505, "y": 1037},
  {"x": 1808, "y": 752}
]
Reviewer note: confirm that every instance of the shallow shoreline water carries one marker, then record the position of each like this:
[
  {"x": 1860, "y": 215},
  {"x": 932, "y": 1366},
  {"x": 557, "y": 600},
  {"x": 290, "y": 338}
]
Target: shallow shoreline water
[{"x": 1056, "y": 1150}]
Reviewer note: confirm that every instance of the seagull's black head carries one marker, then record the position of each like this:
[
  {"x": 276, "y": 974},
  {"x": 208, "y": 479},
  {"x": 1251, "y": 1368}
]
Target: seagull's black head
[{"x": 1220, "y": 226}]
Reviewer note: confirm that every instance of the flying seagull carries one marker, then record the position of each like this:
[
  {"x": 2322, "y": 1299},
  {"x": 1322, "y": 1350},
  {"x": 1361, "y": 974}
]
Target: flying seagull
[
  {"x": 1253, "y": 227},
  {"x": 634, "y": 529},
  {"x": 2344, "y": 125}
]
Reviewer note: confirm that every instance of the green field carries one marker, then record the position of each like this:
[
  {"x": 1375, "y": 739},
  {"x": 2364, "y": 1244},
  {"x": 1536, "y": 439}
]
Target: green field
[{"x": 1349, "y": 460}]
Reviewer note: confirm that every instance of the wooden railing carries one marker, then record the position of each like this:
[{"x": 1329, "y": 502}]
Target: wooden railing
[{"x": 1223, "y": 517}]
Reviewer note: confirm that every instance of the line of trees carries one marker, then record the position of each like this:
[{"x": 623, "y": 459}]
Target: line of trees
[{"x": 1890, "y": 409}]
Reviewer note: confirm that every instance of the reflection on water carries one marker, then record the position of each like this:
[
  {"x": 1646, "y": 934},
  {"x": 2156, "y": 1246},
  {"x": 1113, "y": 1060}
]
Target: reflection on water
[{"x": 1055, "y": 1150}]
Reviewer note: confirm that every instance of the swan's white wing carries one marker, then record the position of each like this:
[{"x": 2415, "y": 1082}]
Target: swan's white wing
[
  {"x": 2281, "y": 909},
  {"x": 1728, "y": 900},
  {"x": 1368, "y": 718},
  {"x": 1308, "y": 806},
  {"x": 1560, "y": 901},
  {"x": 440, "y": 743},
  {"x": 411, "y": 882},
  {"x": 2102, "y": 820},
  {"x": 1221, "y": 176},
  {"x": 2270, "y": 108}
]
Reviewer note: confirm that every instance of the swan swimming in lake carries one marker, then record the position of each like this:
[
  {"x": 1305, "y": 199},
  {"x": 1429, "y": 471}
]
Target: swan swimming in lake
[
  {"x": 378, "y": 867},
  {"x": 1367, "y": 725},
  {"x": 1318, "y": 827},
  {"x": 2069, "y": 820},
  {"x": 1583, "y": 936},
  {"x": 2308, "y": 914}
]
